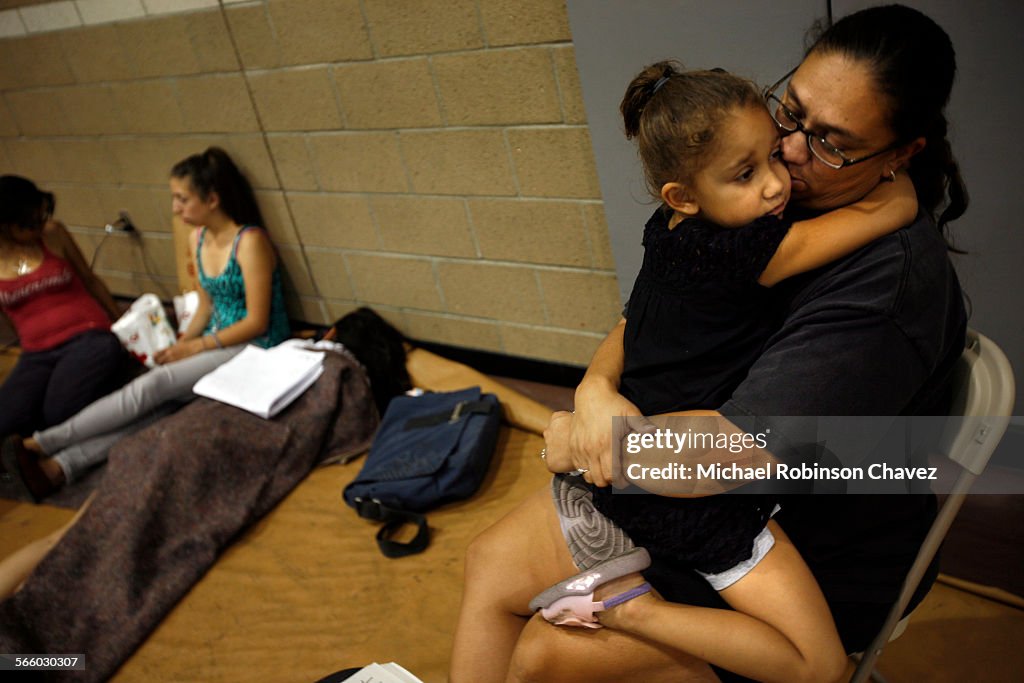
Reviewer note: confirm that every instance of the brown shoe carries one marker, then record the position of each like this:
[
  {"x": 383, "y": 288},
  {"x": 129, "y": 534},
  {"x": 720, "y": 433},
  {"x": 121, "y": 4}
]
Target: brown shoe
[{"x": 22, "y": 472}]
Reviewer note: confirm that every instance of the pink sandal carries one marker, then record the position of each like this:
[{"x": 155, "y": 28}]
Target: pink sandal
[{"x": 571, "y": 602}]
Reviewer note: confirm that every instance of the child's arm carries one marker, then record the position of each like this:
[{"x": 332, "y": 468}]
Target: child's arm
[
  {"x": 813, "y": 243},
  {"x": 781, "y": 629}
]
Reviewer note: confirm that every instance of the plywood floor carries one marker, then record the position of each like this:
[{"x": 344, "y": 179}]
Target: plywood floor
[{"x": 306, "y": 592}]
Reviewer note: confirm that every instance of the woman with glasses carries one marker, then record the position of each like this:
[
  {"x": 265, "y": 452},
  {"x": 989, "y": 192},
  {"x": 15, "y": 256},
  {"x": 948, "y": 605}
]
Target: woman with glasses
[
  {"x": 720, "y": 238},
  {"x": 60, "y": 310},
  {"x": 874, "y": 333}
]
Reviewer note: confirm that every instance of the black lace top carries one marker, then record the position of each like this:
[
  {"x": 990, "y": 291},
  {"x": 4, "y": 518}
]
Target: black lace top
[
  {"x": 695, "y": 322},
  {"x": 696, "y": 318}
]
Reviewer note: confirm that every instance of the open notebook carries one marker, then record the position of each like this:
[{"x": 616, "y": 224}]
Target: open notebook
[{"x": 263, "y": 381}]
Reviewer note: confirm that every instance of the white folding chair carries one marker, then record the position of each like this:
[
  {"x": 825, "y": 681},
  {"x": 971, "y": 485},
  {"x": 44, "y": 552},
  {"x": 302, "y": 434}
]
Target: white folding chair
[{"x": 984, "y": 394}]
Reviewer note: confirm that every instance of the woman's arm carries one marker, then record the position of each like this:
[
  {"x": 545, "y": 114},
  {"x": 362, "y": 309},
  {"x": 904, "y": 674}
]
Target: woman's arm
[
  {"x": 257, "y": 260},
  {"x": 205, "y": 309},
  {"x": 61, "y": 243},
  {"x": 190, "y": 342},
  {"x": 597, "y": 400},
  {"x": 639, "y": 467},
  {"x": 813, "y": 243},
  {"x": 200, "y": 318}
]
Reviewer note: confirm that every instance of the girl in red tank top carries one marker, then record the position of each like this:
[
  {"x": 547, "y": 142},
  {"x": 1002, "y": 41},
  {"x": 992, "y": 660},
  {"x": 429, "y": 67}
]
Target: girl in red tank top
[
  {"x": 60, "y": 310},
  {"x": 49, "y": 305}
]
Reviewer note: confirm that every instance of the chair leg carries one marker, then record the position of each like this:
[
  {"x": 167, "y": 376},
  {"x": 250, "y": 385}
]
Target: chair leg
[{"x": 874, "y": 675}]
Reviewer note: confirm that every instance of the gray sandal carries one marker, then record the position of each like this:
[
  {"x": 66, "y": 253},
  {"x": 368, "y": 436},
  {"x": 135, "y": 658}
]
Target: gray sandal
[{"x": 592, "y": 538}]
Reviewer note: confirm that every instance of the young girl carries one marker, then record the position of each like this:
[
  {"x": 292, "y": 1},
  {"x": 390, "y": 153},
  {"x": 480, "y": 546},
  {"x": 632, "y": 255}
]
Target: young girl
[
  {"x": 241, "y": 302},
  {"x": 698, "y": 310},
  {"x": 60, "y": 310}
]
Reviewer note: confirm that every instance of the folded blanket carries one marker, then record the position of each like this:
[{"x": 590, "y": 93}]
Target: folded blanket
[{"x": 174, "y": 497}]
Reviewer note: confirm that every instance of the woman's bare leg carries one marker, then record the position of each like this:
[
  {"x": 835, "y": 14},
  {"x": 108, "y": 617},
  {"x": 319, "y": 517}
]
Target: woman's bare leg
[
  {"x": 506, "y": 566},
  {"x": 16, "y": 567},
  {"x": 559, "y": 654}
]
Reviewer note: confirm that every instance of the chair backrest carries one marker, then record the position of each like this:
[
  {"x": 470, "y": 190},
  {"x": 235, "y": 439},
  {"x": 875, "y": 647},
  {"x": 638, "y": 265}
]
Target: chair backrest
[{"x": 984, "y": 394}]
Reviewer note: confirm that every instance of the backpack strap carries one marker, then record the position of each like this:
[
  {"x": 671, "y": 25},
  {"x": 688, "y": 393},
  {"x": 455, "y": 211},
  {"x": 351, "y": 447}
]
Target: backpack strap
[
  {"x": 393, "y": 521},
  {"x": 461, "y": 408}
]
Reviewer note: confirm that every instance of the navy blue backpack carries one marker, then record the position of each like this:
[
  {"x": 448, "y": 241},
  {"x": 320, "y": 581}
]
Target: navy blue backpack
[{"x": 429, "y": 450}]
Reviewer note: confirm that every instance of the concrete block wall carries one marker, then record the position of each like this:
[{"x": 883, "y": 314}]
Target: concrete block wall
[{"x": 429, "y": 159}]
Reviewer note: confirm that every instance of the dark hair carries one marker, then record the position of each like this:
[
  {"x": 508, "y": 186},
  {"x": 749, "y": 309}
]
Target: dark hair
[
  {"x": 675, "y": 114},
  {"x": 913, "y": 63},
  {"x": 381, "y": 350},
  {"x": 214, "y": 171},
  {"x": 23, "y": 204}
]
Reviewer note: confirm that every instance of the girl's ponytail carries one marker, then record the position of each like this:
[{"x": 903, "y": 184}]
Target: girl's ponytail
[
  {"x": 640, "y": 91},
  {"x": 674, "y": 115}
]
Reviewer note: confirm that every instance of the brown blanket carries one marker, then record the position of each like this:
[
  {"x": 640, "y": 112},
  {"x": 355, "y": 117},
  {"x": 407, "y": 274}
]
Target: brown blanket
[{"x": 174, "y": 496}]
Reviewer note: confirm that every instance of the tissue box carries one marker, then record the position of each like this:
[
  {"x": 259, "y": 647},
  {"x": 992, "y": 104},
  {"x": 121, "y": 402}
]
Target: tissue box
[{"x": 144, "y": 329}]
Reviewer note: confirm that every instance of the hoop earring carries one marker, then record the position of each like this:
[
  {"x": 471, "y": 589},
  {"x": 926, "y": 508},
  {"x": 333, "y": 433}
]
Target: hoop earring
[{"x": 892, "y": 176}]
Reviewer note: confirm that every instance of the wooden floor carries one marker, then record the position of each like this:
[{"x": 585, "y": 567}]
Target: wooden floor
[{"x": 306, "y": 592}]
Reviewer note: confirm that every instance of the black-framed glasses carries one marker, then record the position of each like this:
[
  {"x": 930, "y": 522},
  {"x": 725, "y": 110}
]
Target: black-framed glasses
[{"x": 789, "y": 123}]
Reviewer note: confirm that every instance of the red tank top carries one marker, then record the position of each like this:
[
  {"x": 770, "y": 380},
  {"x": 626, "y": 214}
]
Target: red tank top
[{"x": 50, "y": 305}]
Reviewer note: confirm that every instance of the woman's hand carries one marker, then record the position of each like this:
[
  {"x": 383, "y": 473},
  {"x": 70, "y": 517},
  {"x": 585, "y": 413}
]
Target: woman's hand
[
  {"x": 556, "y": 443},
  {"x": 183, "y": 349},
  {"x": 592, "y": 430}
]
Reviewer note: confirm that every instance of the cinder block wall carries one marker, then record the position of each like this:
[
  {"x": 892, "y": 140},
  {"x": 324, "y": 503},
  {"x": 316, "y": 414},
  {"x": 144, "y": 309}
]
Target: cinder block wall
[{"x": 429, "y": 159}]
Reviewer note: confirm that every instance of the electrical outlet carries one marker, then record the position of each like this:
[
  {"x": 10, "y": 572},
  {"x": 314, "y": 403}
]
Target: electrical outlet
[{"x": 122, "y": 224}]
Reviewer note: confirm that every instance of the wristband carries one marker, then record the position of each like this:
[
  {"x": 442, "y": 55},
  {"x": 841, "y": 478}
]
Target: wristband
[{"x": 216, "y": 340}]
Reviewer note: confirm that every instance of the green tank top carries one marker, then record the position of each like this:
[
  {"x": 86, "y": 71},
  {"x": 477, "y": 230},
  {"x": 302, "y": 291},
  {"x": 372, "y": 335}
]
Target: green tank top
[{"x": 227, "y": 292}]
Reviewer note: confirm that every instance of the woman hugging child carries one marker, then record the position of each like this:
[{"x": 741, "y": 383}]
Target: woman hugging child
[{"x": 698, "y": 314}]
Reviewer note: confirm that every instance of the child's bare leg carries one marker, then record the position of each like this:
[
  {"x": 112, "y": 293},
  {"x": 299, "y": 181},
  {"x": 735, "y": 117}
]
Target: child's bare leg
[
  {"x": 781, "y": 592},
  {"x": 782, "y": 629},
  {"x": 506, "y": 566}
]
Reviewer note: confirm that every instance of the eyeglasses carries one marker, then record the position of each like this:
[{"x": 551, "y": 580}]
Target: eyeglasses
[{"x": 822, "y": 149}]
